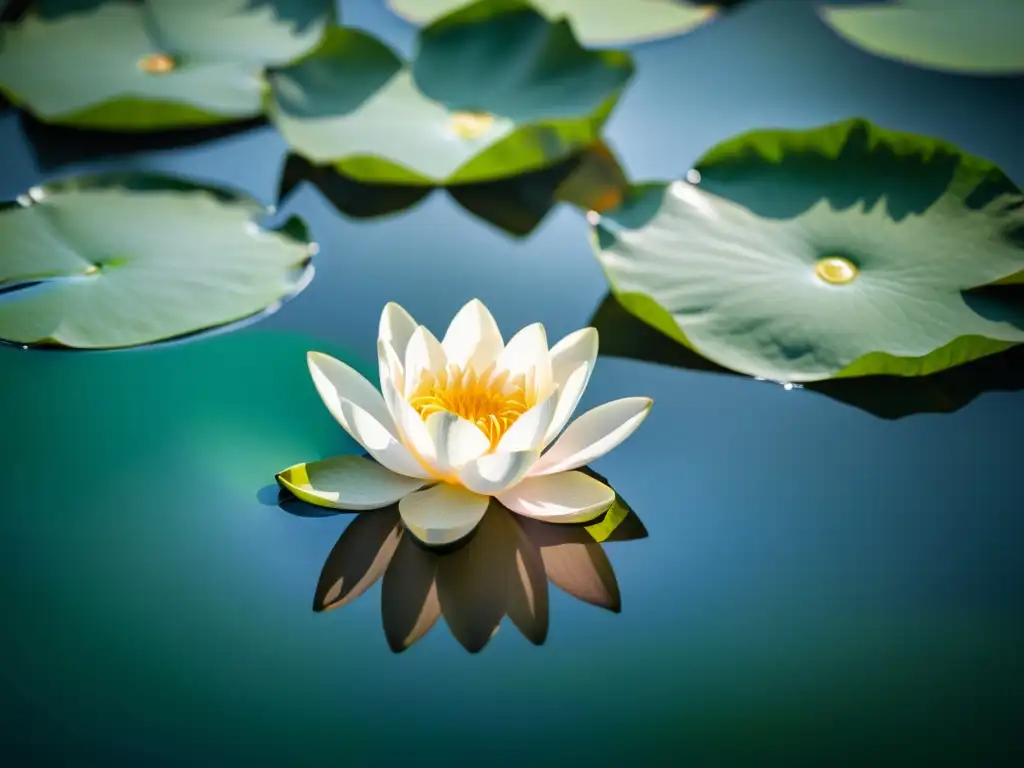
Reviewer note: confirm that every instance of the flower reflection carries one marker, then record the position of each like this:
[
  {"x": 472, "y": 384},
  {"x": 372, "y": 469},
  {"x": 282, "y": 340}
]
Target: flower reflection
[{"x": 502, "y": 570}]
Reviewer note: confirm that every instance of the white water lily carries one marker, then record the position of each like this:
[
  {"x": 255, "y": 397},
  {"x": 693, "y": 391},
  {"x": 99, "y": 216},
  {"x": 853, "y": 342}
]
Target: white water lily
[{"x": 465, "y": 419}]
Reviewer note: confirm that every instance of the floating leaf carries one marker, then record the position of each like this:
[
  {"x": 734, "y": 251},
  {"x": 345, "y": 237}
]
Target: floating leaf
[
  {"x": 841, "y": 251},
  {"x": 116, "y": 261},
  {"x": 589, "y": 180},
  {"x": 595, "y": 22},
  {"x": 888, "y": 397},
  {"x": 155, "y": 64},
  {"x": 980, "y": 38},
  {"x": 486, "y": 97}
]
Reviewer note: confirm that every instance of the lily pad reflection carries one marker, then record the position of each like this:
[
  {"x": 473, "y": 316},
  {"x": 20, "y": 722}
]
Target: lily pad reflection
[
  {"x": 888, "y": 397},
  {"x": 590, "y": 180},
  {"x": 502, "y": 570}
]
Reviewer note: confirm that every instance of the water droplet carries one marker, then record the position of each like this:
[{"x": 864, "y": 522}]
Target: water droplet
[{"x": 693, "y": 176}]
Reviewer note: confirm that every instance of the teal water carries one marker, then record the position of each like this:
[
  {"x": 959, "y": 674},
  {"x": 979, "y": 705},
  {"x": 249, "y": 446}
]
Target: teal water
[{"x": 818, "y": 586}]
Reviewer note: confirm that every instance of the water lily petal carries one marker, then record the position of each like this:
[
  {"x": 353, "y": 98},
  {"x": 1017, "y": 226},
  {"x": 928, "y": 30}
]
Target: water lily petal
[
  {"x": 594, "y": 434},
  {"x": 396, "y": 328},
  {"x": 456, "y": 440},
  {"x": 442, "y": 514},
  {"x": 336, "y": 382},
  {"x": 347, "y": 482},
  {"x": 572, "y": 362},
  {"x": 473, "y": 339},
  {"x": 424, "y": 353},
  {"x": 381, "y": 444},
  {"x": 527, "y": 354},
  {"x": 528, "y": 431},
  {"x": 568, "y": 497},
  {"x": 412, "y": 431},
  {"x": 495, "y": 472}
]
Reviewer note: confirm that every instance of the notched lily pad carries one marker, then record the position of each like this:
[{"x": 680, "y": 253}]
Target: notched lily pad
[
  {"x": 487, "y": 96},
  {"x": 116, "y": 261},
  {"x": 846, "y": 250},
  {"x": 977, "y": 38},
  {"x": 589, "y": 180},
  {"x": 595, "y": 22},
  {"x": 153, "y": 64}
]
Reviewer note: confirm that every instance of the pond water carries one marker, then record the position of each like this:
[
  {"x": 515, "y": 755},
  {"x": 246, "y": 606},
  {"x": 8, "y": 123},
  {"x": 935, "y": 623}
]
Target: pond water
[{"x": 818, "y": 585}]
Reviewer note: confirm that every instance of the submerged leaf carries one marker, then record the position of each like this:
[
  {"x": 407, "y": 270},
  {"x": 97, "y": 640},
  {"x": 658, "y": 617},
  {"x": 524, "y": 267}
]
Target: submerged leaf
[
  {"x": 840, "y": 251},
  {"x": 117, "y": 261}
]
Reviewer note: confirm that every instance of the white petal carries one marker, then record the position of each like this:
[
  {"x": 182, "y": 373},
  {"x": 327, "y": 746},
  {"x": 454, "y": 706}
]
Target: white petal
[
  {"x": 529, "y": 429},
  {"x": 380, "y": 442},
  {"x": 337, "y": 382},
  {"x": 594, "y": 434},
  {"x": 396, "y": 328},
  {"x": 495, "y": 472},
  {"x": 424, "y": 353},
  {"x": 523, "y": 350},
  {"x": 391, "y": 371},
  {"x": 347, "y": 482},
  {"x": 442, "y": 514},
  {"x": 473, "y": 339},
  {"x": 412, "y": 431},
  {"x": 457, "y": 440},
  {"x": 572, "y": 362},
  {"x": 568, "y": 497}
]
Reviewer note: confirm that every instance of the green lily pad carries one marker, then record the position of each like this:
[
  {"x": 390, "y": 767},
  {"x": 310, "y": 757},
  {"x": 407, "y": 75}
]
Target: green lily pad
[
  {"x": 845, "y": 250},
  {"x": 589, "y": 180},
  {"x": 623, "y": 335},
  {"x": 595, "y": 22},
  {"x": 153, "y": 64},
  {"x": 117, "y": 261},
  {"x": 979, "y": 38},
  {"x": 486, "y": 97}
]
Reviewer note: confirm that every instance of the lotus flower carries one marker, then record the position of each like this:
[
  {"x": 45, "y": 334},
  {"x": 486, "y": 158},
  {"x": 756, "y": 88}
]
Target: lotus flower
[{"x": 463, "y": 420}]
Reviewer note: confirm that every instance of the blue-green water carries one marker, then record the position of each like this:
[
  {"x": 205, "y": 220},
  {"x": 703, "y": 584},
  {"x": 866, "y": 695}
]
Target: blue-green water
[{"x": 819, "y": 586}]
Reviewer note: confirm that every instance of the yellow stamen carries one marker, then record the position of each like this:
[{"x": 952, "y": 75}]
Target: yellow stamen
[{"x": 492, "y": 402}]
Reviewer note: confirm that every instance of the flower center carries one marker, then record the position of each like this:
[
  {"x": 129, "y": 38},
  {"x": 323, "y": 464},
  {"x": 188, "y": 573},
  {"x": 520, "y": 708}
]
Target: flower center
[
  {"x": 470, "y": 125},
  {"x": 836, "y": 270},
  {"x": 157, "y": 64},
  {"x": 491, "y": 401}
]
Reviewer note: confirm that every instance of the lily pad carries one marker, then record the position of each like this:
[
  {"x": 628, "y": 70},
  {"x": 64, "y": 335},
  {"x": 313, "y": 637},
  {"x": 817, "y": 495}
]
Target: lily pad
[
  {"x": 486, "y": 96},
  {"x": 589, "y": 180},
  {"x": 977, "y": 38},
  {"x": 623, "y": 335},
  {"x": 117, "y": 261},
  {"x": 153, "y": 64},
  {"x": 595, "y": 23},
  {"x": 844, "y": 250}
]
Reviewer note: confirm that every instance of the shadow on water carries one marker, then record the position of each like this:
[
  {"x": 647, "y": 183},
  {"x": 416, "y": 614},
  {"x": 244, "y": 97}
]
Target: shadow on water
[
  {"x": 501, "y": 569},
  {"x": 55, "y": 146},
  {"x": 865, "y": 170},
  {"x": 590, "y": 180},
  {"x": 888, "y": 397}
]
